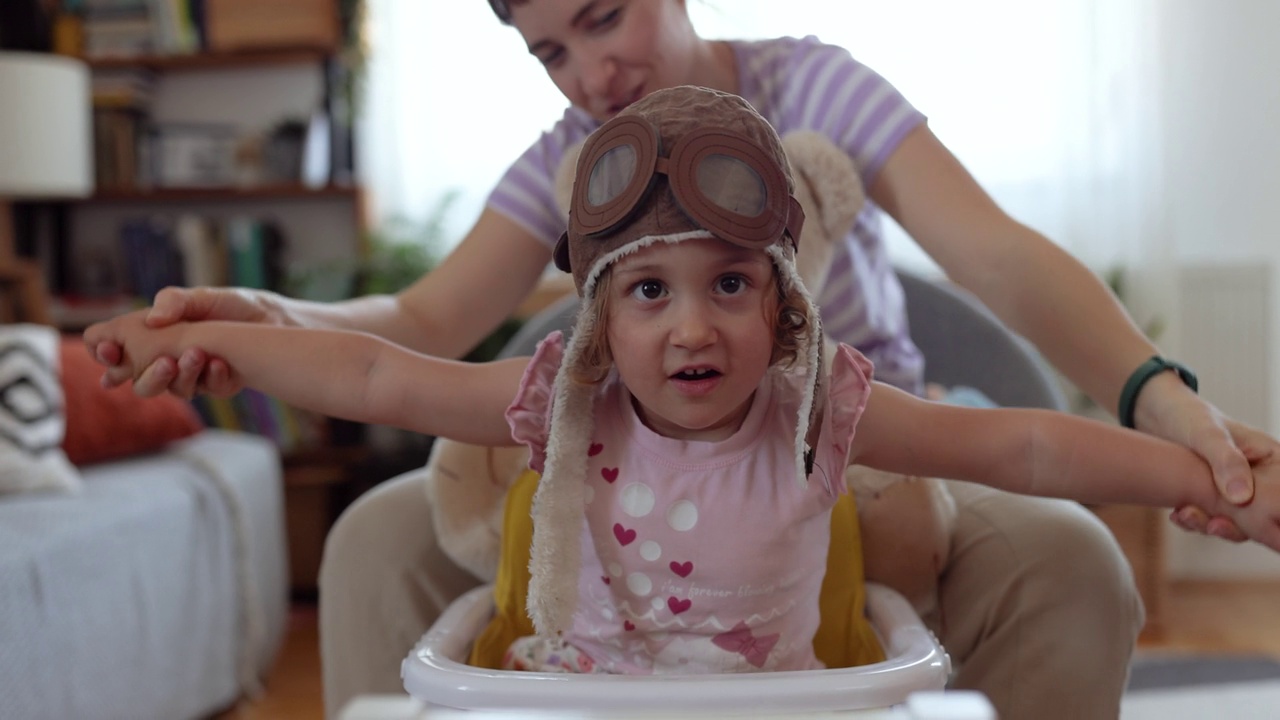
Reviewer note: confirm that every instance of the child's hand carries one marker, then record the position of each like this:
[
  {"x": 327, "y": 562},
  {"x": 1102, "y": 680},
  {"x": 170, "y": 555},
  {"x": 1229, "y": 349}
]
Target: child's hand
[
  {"x": 1260, "y": 519},
  {"x": 138, "y": 344}
]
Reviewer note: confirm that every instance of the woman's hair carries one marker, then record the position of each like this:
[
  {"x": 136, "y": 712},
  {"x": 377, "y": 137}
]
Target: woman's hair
[
  {"x": 502, "y": 8},
  {"x": 790, "y": 325}
]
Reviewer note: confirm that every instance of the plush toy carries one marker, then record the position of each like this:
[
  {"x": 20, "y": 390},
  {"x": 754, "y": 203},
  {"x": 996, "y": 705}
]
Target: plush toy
[{"x": 906, "y": 522}]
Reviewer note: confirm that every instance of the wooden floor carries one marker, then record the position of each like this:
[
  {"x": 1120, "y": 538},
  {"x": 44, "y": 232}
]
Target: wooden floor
[
  {"x": 1202, "y": 617},
  {"x": 293, "y": 688}
]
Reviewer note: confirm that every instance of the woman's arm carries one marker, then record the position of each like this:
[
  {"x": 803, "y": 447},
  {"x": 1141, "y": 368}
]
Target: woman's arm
[
  {"x": 345, "y": 374},
  {"x": 1057, "y": 303},
  {"x": 445, "y": 313},
  {"x": 1031, "y": 284}
]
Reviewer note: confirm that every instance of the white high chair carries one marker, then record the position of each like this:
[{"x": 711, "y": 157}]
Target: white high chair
[{"x": 437, "y": 675}]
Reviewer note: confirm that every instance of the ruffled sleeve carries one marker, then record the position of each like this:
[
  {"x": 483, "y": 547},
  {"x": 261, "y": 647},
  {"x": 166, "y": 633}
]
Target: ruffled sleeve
[
  {"x": 847, "y": 390},
  {"x": 529, "y": 415}
]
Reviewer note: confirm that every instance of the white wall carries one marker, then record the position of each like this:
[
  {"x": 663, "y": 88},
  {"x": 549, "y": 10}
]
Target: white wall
[
  {"x": 1222, "y": 136},
  {"x": 1222, "y": 184}
]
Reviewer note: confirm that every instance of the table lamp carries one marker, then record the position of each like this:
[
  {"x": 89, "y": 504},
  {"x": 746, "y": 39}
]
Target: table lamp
[{"x": 45, "y": 153}]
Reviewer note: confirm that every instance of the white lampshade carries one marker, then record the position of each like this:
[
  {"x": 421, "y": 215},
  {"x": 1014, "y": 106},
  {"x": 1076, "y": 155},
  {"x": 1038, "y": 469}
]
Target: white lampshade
[{"x": 45, "y": 127}]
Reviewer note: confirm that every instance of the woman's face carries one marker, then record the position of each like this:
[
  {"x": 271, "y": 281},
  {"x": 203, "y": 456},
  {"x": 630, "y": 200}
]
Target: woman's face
[{"x": 606, "y": 54}]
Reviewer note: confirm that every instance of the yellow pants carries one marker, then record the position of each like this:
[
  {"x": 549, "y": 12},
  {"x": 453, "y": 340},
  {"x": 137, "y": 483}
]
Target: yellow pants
[{"x": 844, "y": 638}]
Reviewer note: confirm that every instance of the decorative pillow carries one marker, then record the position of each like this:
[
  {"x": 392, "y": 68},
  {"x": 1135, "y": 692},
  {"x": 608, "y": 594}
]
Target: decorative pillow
[
  {"x": 31, "y": 413},
  {"x": 107, "y": 424}
]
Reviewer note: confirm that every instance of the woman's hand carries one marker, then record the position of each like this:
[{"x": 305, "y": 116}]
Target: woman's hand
[
  {"x": 1260, "y": 519},
  {"x": 1170, "y": 410},
  {"x": 195, "y": 371}
]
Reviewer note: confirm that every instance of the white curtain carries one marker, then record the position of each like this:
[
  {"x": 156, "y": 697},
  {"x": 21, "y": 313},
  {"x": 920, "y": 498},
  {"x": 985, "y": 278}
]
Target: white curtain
[{"x": 1052, "y": 104}]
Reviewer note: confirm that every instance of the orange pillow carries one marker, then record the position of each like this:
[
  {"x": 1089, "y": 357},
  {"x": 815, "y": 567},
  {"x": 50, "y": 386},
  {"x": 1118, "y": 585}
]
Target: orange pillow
[{"x": 108, "y": 424}]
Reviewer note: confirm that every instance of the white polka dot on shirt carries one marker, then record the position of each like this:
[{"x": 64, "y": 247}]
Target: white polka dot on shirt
[
  {"x": 637, "y": 500},
  {"x": 650, "y": 550},
  {"x": 682, "y": 516},
  {"x": 639, "y": 583}
]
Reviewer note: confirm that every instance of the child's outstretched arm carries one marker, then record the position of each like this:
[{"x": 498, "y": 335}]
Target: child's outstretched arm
[
  {"x": 345, "y": 374},
  {"x": 1052, "y": 454}
]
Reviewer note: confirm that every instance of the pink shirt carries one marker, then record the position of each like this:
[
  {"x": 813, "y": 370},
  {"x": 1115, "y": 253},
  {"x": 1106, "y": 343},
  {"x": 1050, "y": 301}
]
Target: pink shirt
[{"x": 701, "y": 557}]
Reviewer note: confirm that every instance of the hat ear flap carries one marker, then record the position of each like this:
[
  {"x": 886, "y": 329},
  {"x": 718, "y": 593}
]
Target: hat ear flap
[
  {"x": 564, "y": 179},
  {"x": 830, "y": 191}
]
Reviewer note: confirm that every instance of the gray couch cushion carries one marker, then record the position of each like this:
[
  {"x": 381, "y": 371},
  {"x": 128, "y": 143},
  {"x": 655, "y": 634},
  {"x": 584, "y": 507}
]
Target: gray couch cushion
[{"x": 123, "y": 602}]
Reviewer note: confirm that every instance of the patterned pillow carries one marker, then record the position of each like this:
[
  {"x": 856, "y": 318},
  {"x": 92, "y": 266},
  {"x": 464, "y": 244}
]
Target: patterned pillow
[{"x": 32, "y": 422}]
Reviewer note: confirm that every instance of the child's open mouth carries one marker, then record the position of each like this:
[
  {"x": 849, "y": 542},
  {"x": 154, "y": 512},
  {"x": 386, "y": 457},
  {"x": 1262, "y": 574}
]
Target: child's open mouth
[
  {"x": 697, "y": 381},
  {"x": 698, "y": 374}
]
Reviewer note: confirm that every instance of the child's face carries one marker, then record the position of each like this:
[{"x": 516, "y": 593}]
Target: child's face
[{"x": 691, "y": 333}]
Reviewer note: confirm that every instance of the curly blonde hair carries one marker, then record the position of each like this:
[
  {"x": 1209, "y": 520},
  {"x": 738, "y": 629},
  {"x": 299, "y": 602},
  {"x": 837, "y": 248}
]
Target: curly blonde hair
[{"x": 790, "y": 327}]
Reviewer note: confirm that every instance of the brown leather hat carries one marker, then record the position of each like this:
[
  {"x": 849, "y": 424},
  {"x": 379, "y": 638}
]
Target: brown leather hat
[{"x": 683, "y": 162}]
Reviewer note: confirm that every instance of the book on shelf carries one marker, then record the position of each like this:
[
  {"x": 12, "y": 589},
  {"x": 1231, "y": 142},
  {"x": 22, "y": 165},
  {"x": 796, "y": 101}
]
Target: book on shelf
[
  {"x": 203, "y": 249},
  {"x": 118, "y": 148},
  {"x": 134, "y": 28},
  {"x": 255, "y": 412},
  {"x": 255, "y": 250},
  {"x": 151, "y": 259},
  {"x": 192, "y": 250}
]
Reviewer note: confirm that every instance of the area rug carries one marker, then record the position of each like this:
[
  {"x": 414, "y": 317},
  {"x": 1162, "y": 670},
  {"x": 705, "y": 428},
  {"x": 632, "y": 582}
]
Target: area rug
[
  {"x": 1240, "y": 687},
  {"x": 1161, "y": 671}
]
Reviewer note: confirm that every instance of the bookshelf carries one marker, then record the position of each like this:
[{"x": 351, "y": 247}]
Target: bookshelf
[
  {"x": 222, "y": 114},
  {"x": 204, "y": 134}
]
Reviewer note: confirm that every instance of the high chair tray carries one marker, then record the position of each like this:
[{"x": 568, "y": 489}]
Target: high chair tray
[{"x": 436, "y": 674}]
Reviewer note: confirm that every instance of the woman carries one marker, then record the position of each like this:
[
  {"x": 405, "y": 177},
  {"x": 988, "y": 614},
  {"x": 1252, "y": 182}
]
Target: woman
[{"x": 1038, "y": 608}]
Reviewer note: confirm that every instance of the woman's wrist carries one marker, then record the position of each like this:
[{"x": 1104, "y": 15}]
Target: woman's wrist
[
  {"x": 1150, "y": 388},
  {"x": 278, "y": 310}
]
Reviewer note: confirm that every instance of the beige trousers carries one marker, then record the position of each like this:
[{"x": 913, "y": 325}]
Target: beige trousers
[{"x": 1038, "y": 607}]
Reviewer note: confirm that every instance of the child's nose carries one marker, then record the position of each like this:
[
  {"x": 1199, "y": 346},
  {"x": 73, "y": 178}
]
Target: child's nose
[{"x": 693, "y": 328}]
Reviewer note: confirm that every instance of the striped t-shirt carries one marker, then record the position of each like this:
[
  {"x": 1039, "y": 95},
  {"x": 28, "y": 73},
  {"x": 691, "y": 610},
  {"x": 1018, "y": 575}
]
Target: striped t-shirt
[{"x": 795, "y": 85}]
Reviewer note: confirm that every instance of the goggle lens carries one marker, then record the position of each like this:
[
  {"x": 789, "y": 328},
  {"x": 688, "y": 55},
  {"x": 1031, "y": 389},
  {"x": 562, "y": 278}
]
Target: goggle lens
[
  {"x": 611, "y": 175},
  {"x": 731, "y": 185}
]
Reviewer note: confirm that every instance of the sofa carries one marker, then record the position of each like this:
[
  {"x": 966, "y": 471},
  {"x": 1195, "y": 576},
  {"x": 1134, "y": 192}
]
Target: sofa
[{"x": 147, "y": 585}]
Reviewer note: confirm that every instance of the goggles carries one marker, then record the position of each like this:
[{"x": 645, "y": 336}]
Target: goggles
[{"x": 722, "y": 180}]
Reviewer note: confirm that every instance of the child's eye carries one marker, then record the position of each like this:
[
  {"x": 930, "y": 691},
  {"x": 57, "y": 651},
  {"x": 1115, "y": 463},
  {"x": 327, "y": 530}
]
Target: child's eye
[
  {"x": 731, "y": 284},
  {"x": 648, "y": 290}
]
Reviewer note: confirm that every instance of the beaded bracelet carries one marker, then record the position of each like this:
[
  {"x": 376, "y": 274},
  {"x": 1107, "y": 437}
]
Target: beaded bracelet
[{"x": 1146, "y": 371}]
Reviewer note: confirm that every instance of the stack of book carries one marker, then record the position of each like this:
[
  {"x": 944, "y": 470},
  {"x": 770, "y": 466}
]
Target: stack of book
[
  {"x": 134, "y": 28},
  {"x": 192, "y": 250},
  {"x": 120, "y": 102},
  {"x": 250, "y": 411}
]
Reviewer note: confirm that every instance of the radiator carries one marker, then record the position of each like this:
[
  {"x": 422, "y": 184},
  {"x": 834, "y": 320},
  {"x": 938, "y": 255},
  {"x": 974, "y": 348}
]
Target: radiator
[{"x": 1225, "y": 332}]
